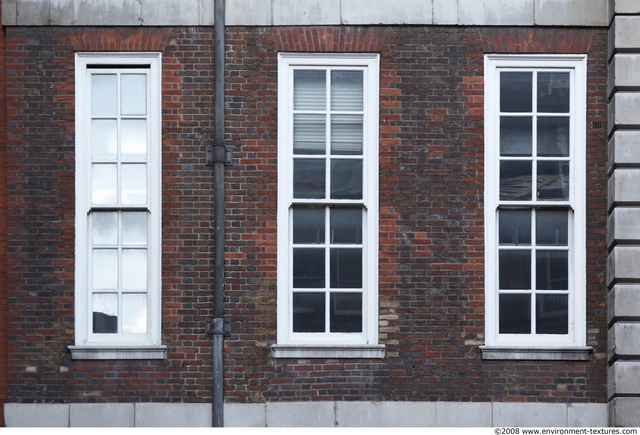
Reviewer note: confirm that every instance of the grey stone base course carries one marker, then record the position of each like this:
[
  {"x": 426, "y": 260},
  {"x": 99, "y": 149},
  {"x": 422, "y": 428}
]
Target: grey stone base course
[{"x": 311, "y": 414}]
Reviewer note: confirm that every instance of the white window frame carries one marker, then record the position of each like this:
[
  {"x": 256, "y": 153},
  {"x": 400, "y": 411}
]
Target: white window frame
[
  {"x": 346, "y": 345},
  {"x": 117, "y": 346},
  {"x": 537, "y": 346}
]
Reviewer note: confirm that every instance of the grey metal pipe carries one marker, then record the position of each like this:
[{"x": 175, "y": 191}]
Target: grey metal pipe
[{"x": 219, "y": 215}]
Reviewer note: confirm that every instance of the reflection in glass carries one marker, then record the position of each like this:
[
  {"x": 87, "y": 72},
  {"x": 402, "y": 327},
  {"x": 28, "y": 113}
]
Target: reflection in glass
[
  {"x": 134, "y": 228},
  {"x": 515, "y": 136},
  {"x": 309, "y": 134},
  {"x": 552, "y": 227},
  {"x": 104, "y": 269},
  {"x": 514, "y": 269},
  {"x": 515, "y": 180},
  {"x": 346, "y": 179},
  {"x": 309, "y": 178},
  {"x": 553, "y": 92},
  {"x": 105, "y": 313},
  {"x": 134, "y": 94},
  {"x": 309, "y": 90},
  {"x": 104, "y": 139},
  {"x": 346, "y": 134},
  {"x": 514, "y": 227},
  {"x": 104, "y": 184},
  {"x": 553, "y": 137},
  {"x": 515, "y": 91},
  {"x": 346, "y": 268},
  {"x": 552, "y": 270},
  {"x": 346, "y": 225},
  {"x": 553, "y": 181},
  {"x": 345, "y": 313},
  {"x": 308, "y": 312},
  {"x": 134, "y": 269},
  {"x": 514, "y": 314},
  {"x": 103, "y": 95},
  {"x": 346, "y": 90},
  {"x": 134, "y": 184},
  {"x": 134, "y": 139},
  {"x": 552, "y": 314},
  {"x": 104, "y": 228},
  {"x": 134, "y": 313},
  {"x": 308, "y": 225},
  {"x": 308, "y": 268}
]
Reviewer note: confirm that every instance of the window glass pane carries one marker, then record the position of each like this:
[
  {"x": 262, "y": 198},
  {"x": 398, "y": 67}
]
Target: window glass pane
[
  {"x": 105, "y": 313},
  {"x": 553, "y": 92},
  {"x": 515, "y": 136},
  {"x": 134, "y": 228},
  {"x": 552, "y": 270},
  {"x": 104, "y": 184},
  {"x": 308, "y": 312},
  {"x": 514, "y": 227},
  {"x": 134, "y": 313},
  {"x": 103, "y": 95},
  {"x": 346, "y": 268},
  {"x": 308, "y": 225},
  {"x": 309, "y": 178},
  {"x": 514, "y": 314},
  {"x": 553, "y": 181},
  {"x": 345, "y": 313},
  {"x": 104, "y": 269},
  {"x": 134, "y": 269},
  {"x": 346, "y": 225},
  {"x": 309, "y": 134},
  {"x": 515, "y": 91},
  {"x": 104, "y": 139},
  {"x": 346, "y": 134},
  {"x": 134, "y": 139},
  {"x": 346, "y": 90},
  {"x": 134, "y": 94},
  {"x": 515, "y": 181},
  {"x": 308, "y": 268},
  {"x": 552, "y": 314},
  {"x": 134, "y": 184},
  {"x": 515, "y": 269},
  {"x": 553, "y": 137},
  {"x": 309, "y": 90},
  {"x": 104, "y": 228},
  {"x": 346, "y": 179},
  {"x": 552, "y": 227}
]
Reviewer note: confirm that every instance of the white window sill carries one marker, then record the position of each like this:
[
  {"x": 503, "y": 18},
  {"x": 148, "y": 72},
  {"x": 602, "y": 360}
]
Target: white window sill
[
  {"x": 535, "y": 353},
  {"x": 118, "y": 352},
  {"x": 328, "y": 351}
]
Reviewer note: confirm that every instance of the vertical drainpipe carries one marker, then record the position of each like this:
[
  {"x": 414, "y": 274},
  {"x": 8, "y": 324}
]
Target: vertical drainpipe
[{"x": 217, "y": 325}]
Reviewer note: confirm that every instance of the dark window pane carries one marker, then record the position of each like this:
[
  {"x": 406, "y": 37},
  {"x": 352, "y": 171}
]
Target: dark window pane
[
  {"x": 346, "y": 268},
  {"x": 308, "y": 225},
  {"x": 308, "y": 268},
  {"x": 515, "y": 270},
  {"x": 553, "y": 137},
  {"x": 553, "y": 181},
  {"x": 309, "y": 134},
  {"x": 346, "y": 312},
  {"x": 309, "y": 178},
  {"x": 515, "y": 92},
  {"x": 515, "y": 181},
  {"x": 552, "y": 227},
  {"x": 552, "y": 270},
  {"x": 514, "y": 227},
  {"x": 515, "y": 314},
  {"x": 346, "y": 225},
  {"x": 346, "y": 179},
  {"x": 552, "y": 314},
  {"x": 515, "y": 136},
  {"x": 105, "y": 313},
  {"x": 308, "y": 312},
  {"x": 553, "y": 92}
]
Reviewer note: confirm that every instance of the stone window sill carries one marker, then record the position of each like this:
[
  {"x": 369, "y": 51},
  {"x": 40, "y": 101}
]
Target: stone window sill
[
  {"x": 118, "y": 352},
  {"x": 320, "y": 351},
  {"x": 533, "y": 353}
]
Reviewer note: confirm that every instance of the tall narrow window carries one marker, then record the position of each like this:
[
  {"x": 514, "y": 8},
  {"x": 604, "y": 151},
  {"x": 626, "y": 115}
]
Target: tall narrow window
[
  {"x": 535, "y": 200},
  {"x": 117, "y": 202},
  {"x": 327, "y": 207}
]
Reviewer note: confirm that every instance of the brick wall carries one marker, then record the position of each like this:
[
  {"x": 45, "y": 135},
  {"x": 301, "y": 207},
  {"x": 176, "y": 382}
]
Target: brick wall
[
  {"x": 431, "y": 220},
  {"x": 3, "y": 230}
]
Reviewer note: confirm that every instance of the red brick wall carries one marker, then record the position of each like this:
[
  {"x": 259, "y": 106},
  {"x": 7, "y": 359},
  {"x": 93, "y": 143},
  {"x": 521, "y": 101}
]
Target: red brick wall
[
  {"x": 3, "y": 230},
  {"x": 431, "y": 219}
]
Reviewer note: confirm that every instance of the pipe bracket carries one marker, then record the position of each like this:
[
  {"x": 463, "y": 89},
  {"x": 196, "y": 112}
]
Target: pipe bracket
[
  {"x": 219, "y": 154},
  {"x": 218, "y": 326}
]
